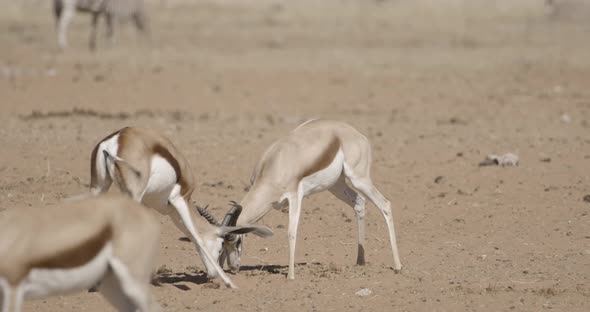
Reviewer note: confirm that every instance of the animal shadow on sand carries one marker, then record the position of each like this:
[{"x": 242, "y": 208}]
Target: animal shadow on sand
[
  {"x": 272, "y": 268},
  {"x": 179, "y": 280}
]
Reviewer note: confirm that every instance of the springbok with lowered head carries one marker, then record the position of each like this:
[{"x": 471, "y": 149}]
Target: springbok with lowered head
[
  {"x": 149, "y": 168},
  {"x": 318, "y": 155},
  {"x": 110, "y": 240}
]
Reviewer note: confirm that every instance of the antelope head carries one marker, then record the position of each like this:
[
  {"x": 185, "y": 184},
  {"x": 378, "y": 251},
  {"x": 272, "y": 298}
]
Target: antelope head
[{"x": 230, "y": 247}]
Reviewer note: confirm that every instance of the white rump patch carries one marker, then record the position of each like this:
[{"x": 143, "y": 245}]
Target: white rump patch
[
  {"x": 161, "y": 182},
  {"x": 112, "y": 147}
]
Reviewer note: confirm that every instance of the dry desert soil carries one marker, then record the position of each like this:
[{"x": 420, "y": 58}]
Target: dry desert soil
[{"x": 435, "y": 86}]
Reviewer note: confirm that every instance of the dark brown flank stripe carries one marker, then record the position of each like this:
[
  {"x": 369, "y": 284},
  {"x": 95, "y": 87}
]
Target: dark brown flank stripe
[
  {"x": 69, "y": 258},
  {"x": 78, "y": 255},
  {"x": 165, "y": 153},
  {"x": 325, "y": 158},
  {"x": 93, "y": 157}
]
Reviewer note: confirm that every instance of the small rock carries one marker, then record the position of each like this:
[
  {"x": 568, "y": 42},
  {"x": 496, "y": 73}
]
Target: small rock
[
  {"x": 438, "y": 179},
  {"x": 482, "y": 257},
  {"x": 99, "y": 78},
  {"x": 566, "y": 118},
  {"x": 364, "y": 292},
  {"x": 507, "y": 159},
  {"x": 546, "y": 159},
  {"x": 586, "y": 198},
  {"x": 51, "y": 72}
]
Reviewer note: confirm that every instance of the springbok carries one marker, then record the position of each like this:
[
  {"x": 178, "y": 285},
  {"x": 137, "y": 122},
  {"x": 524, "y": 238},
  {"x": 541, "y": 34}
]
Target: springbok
[
  {"x": 318, "y": 155},
  {"x": 54, "y": 250},
  {"x": 149, "y": 168},
  {"x": 64, "y": 11}
]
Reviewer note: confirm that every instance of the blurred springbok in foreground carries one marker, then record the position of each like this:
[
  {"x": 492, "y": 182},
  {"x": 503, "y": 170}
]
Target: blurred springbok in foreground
[
  {"x": 110, "y": 240},
  {"x": 65, "y": 9},
  {"x": 318, "y": 155}
]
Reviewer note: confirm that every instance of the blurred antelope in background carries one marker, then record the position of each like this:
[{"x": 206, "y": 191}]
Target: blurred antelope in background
[{"x": 111, "y": 9}]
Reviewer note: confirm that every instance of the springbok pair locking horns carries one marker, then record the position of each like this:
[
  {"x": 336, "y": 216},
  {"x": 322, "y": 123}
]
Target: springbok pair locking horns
[
  {"x": 318, "y": 155},
  {"x": 148, "y": 167},
  {"x": 72, "y": 246}
]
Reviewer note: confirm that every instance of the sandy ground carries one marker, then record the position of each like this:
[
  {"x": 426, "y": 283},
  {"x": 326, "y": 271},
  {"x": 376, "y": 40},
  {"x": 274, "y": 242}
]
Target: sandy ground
[{"x": 436, "y": 86}]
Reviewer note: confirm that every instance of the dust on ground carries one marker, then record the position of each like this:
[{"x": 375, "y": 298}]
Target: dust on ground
[{"x": 435, "y": 85}]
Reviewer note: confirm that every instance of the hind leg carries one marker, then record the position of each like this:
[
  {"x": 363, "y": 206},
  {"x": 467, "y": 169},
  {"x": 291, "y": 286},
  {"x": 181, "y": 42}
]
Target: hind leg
[
  {"x": 345, "y": 193},
  {"x": 11, "y": 298},
  {"x": 132, "y": 179},
  {"x": 294, "y": 215},
  {"x": 124, "y": 292},
  {"x": 109, "y": 29},
  {"x": 62, "y": 25},
  {"x": 366, "y": 187},
  {"x": 100, "y": 178},
  {"x": 93, "y": 30}
]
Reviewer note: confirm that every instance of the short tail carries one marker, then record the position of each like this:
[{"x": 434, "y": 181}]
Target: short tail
[{"x": 120, "y": 163}]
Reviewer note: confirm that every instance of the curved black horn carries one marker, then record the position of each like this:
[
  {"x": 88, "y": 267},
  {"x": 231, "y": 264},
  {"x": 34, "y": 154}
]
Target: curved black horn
[
  {"x": 231, "y": 218},
  {"x": 236, "y": 214},
  {"x": 210, "y": 218}
]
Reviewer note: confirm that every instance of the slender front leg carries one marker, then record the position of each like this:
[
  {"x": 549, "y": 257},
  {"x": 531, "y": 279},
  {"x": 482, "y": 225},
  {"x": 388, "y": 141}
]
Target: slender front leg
[
  {"x": 109, "y": 24},
  {"x": 93, "y": 30},
  {"x": 294, "y": 214},
  {"x": 12, "y": 297},
  {"x": 188, "y": 228},
  {"x": 6, "y": 293},
  {"x": 62, "y": 26}
]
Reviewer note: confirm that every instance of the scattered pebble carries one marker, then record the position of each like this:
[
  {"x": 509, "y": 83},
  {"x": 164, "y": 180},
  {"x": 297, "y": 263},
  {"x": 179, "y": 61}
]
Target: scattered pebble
[
  {"x": 364, "y": 292},
  {"x": 51, "y": 72},
  {"x": 507, "y": 159},
  {"x": 566, "y": 118},
  {"x": 211, "y": 285}
]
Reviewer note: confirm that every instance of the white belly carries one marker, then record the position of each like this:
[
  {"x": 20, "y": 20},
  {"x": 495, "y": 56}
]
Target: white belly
[
  {"x": 45, "y": 282},
  {"x": 160, "y": 184},
  {"x": 325, "y": 178}
]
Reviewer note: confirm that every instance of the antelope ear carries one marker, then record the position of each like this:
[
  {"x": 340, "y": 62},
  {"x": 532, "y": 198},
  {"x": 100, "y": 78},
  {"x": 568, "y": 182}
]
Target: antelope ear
[{"x": 257, "y": 230}]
